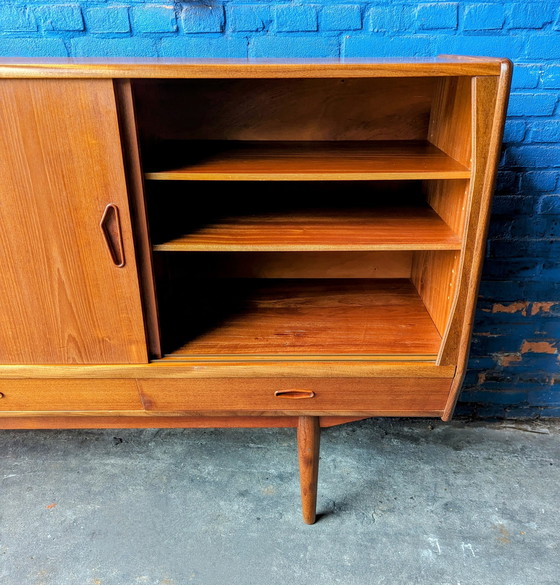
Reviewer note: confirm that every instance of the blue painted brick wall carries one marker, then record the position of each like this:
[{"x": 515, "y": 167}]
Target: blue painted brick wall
[{"x": 514, "y": 364}]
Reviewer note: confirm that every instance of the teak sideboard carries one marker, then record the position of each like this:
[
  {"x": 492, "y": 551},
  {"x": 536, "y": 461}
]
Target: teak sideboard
[{"x": 245, "y": 244}]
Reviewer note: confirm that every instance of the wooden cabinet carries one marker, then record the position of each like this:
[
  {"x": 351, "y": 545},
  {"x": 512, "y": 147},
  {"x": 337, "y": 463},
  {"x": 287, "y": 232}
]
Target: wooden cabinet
[{"x": 242, "y": 243}]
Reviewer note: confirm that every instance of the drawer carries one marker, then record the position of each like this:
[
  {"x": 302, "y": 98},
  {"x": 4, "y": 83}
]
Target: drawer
[
  {"x": 285, "y": 396},
  {"x": 68, "y": 395}
]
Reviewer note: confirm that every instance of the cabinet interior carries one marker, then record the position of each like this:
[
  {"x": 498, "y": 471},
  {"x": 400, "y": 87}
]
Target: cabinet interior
[{"x": 305, "y": 218}]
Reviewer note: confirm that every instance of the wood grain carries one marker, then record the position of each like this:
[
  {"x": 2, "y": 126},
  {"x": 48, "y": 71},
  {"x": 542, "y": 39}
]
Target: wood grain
[
  {"x": 284, "y": 109},
  {"x": 241, "y": 68},
  {"x": 313, "y": 317},
  {"x": 332, "y": 396},
  {"x": 354, "y": 264},
  {"x": 302, "y": 161},
  {"x": 434, "y": 275},
  {"x": 451, "y": 119},
  {"x": 491, "y": 99},
  {"x": 63, "y": 299},
  {"x": 73, "y": 420},
  {"x": 450, "y": 200},
  {"x": 135, "y": 181},
  {"x": 382, "y": 228},
  {"x": 266, "y": 366},
  {"x": 68, "y": 395},
  {"x": 308, "y": 439}
]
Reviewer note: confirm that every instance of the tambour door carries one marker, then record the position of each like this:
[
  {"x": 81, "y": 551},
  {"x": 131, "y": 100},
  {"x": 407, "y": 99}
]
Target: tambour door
[{"x": 69, "y": 290}]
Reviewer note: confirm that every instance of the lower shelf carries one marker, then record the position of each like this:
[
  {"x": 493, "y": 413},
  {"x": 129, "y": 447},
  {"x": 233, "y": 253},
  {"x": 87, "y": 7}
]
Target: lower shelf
[{"x": 304, "y": 319}]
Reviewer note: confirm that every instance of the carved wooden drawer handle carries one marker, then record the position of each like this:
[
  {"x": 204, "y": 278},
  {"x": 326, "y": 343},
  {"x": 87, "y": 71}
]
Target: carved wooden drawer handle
[
  {"x": 295, "y": 394},
  {"x": 1, "y": 395}
]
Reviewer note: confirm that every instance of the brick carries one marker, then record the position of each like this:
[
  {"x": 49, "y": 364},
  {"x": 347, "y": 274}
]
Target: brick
[
  {"x": 488, "y": 45},
  {"x": 202, "y": 18},
  {"x": 506, "y": 182},
  {"x": 548, "y": 397},
  {"x": 386, "y": 46},
  {"x": 512, "y": 205},
  {"x": 533, "y": 156},
  {"x": 503, "y": 396},
  {"x": 549, "y": 204},
  {"x": 514, "y": 130},
  {"x": 293, "y": 46},
  {"x": 548, "y": 131},
  {"x": 525, "y": 76},
  {"x": 294, "y": 18},
  {"x": 508, "y": 269},
  {"x": 437, "y": 16},
  {"x": 544, "y": 46},
  {"x": 341, "y": 17},
  {"x": 551, "y": 77},
  {"x": 15, "y": 18},
  {"x": 62, "y": 17},
  {"x": 527, "y": 248},
  {"x": 109, "y": 19},
  {"x": 248, "y": 17},
  {"x": 390, "y": 18},
  {"x": 484, "y": 17},
  {"x": 525, "y": 226},
  {"x": 532, "y": 104},
  {"x": 153, "y": 18},
  {"x": 539, "y": 180},
  {"x": 532, "y": 15},
  {"x": 124, "y": 47},
  {"x": 32, "y": 47},
  {"x": 201, "y": 46}
]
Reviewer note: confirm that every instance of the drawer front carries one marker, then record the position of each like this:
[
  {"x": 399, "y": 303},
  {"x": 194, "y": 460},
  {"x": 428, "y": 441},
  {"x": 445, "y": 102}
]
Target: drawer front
[
  {"x": 311, "y": 396},
  {"x": 68, "y": 395}
]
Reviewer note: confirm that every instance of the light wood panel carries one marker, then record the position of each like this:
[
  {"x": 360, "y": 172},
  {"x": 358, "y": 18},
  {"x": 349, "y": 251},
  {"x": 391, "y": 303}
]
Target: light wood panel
[
  {"x": 240, "y": 68},
  {"x": 434, "y": 275},
  {"x": 68, "y": 395},
  {"x": 87, "y": 420},
  {"x": 63, "y": 299},
  {"x": 280, "y": 367},
  {"x": 284, "y": 109},
  {"x": 491, "y": 99},
  {"x": 394, "y": 264},
  {"x": 333, "y": 396},
  {"x": 450, "y": 200},
  {"x": 135, "y": 180},
  {"x": 306, "y": 317},
  {"x": 382, "y": 228},
  {"x": 451, "y": 119},
  {"x": 302, "y": 161}
]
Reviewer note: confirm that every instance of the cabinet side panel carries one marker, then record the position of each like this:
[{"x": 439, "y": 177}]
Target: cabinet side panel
[
  {"x": 490, "y": 104},
  {"x": 64, "y": 300}
]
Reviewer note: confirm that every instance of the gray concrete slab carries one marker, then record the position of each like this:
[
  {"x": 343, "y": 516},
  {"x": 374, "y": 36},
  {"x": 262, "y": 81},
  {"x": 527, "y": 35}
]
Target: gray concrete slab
[{"x": 402, "y": 502}]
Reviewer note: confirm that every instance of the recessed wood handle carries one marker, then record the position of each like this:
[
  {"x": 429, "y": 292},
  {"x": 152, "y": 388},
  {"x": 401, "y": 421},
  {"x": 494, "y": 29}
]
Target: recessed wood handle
[
  {"x": 295, "y": 394},
  {"x": 1, "y": 395},
  {"x": 111, "y": 227}
]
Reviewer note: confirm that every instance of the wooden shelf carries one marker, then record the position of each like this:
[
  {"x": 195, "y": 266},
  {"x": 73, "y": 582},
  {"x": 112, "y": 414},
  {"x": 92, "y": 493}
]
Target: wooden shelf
[
  {"x": 309, "y": 319},
  {"x": 298, "y": 160},
  {"x": 396, "y": 228}
]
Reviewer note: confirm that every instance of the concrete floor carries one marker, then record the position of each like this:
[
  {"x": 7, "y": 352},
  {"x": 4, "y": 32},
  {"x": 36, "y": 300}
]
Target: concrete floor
[{"x": 402, "y": 503}]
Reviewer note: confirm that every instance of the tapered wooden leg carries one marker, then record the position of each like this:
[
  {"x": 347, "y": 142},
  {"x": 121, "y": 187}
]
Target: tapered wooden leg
[{"x": 309, "y": 438}]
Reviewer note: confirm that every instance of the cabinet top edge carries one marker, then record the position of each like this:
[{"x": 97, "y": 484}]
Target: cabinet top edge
[{"x": 15, "y": 67}]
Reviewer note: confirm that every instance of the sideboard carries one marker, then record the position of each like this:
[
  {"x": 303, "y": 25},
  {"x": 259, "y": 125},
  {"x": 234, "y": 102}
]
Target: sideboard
[{"x": 242, "y": 243}]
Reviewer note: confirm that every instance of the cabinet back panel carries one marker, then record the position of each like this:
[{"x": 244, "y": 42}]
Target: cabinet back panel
[{"x": 284, "y": 109}]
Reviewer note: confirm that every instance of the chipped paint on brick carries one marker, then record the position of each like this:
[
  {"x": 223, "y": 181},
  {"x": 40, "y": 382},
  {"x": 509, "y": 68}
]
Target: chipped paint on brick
[
  {"x": 518, "y": 307},
  {"x": 538, "y": 347},
  {"x": 542, "y": 307},
  {"x": 506, "y": 359}
]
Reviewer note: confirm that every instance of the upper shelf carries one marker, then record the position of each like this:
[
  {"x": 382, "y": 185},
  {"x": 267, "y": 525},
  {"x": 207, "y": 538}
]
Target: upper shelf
[{"x": 301, "y": 161}]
